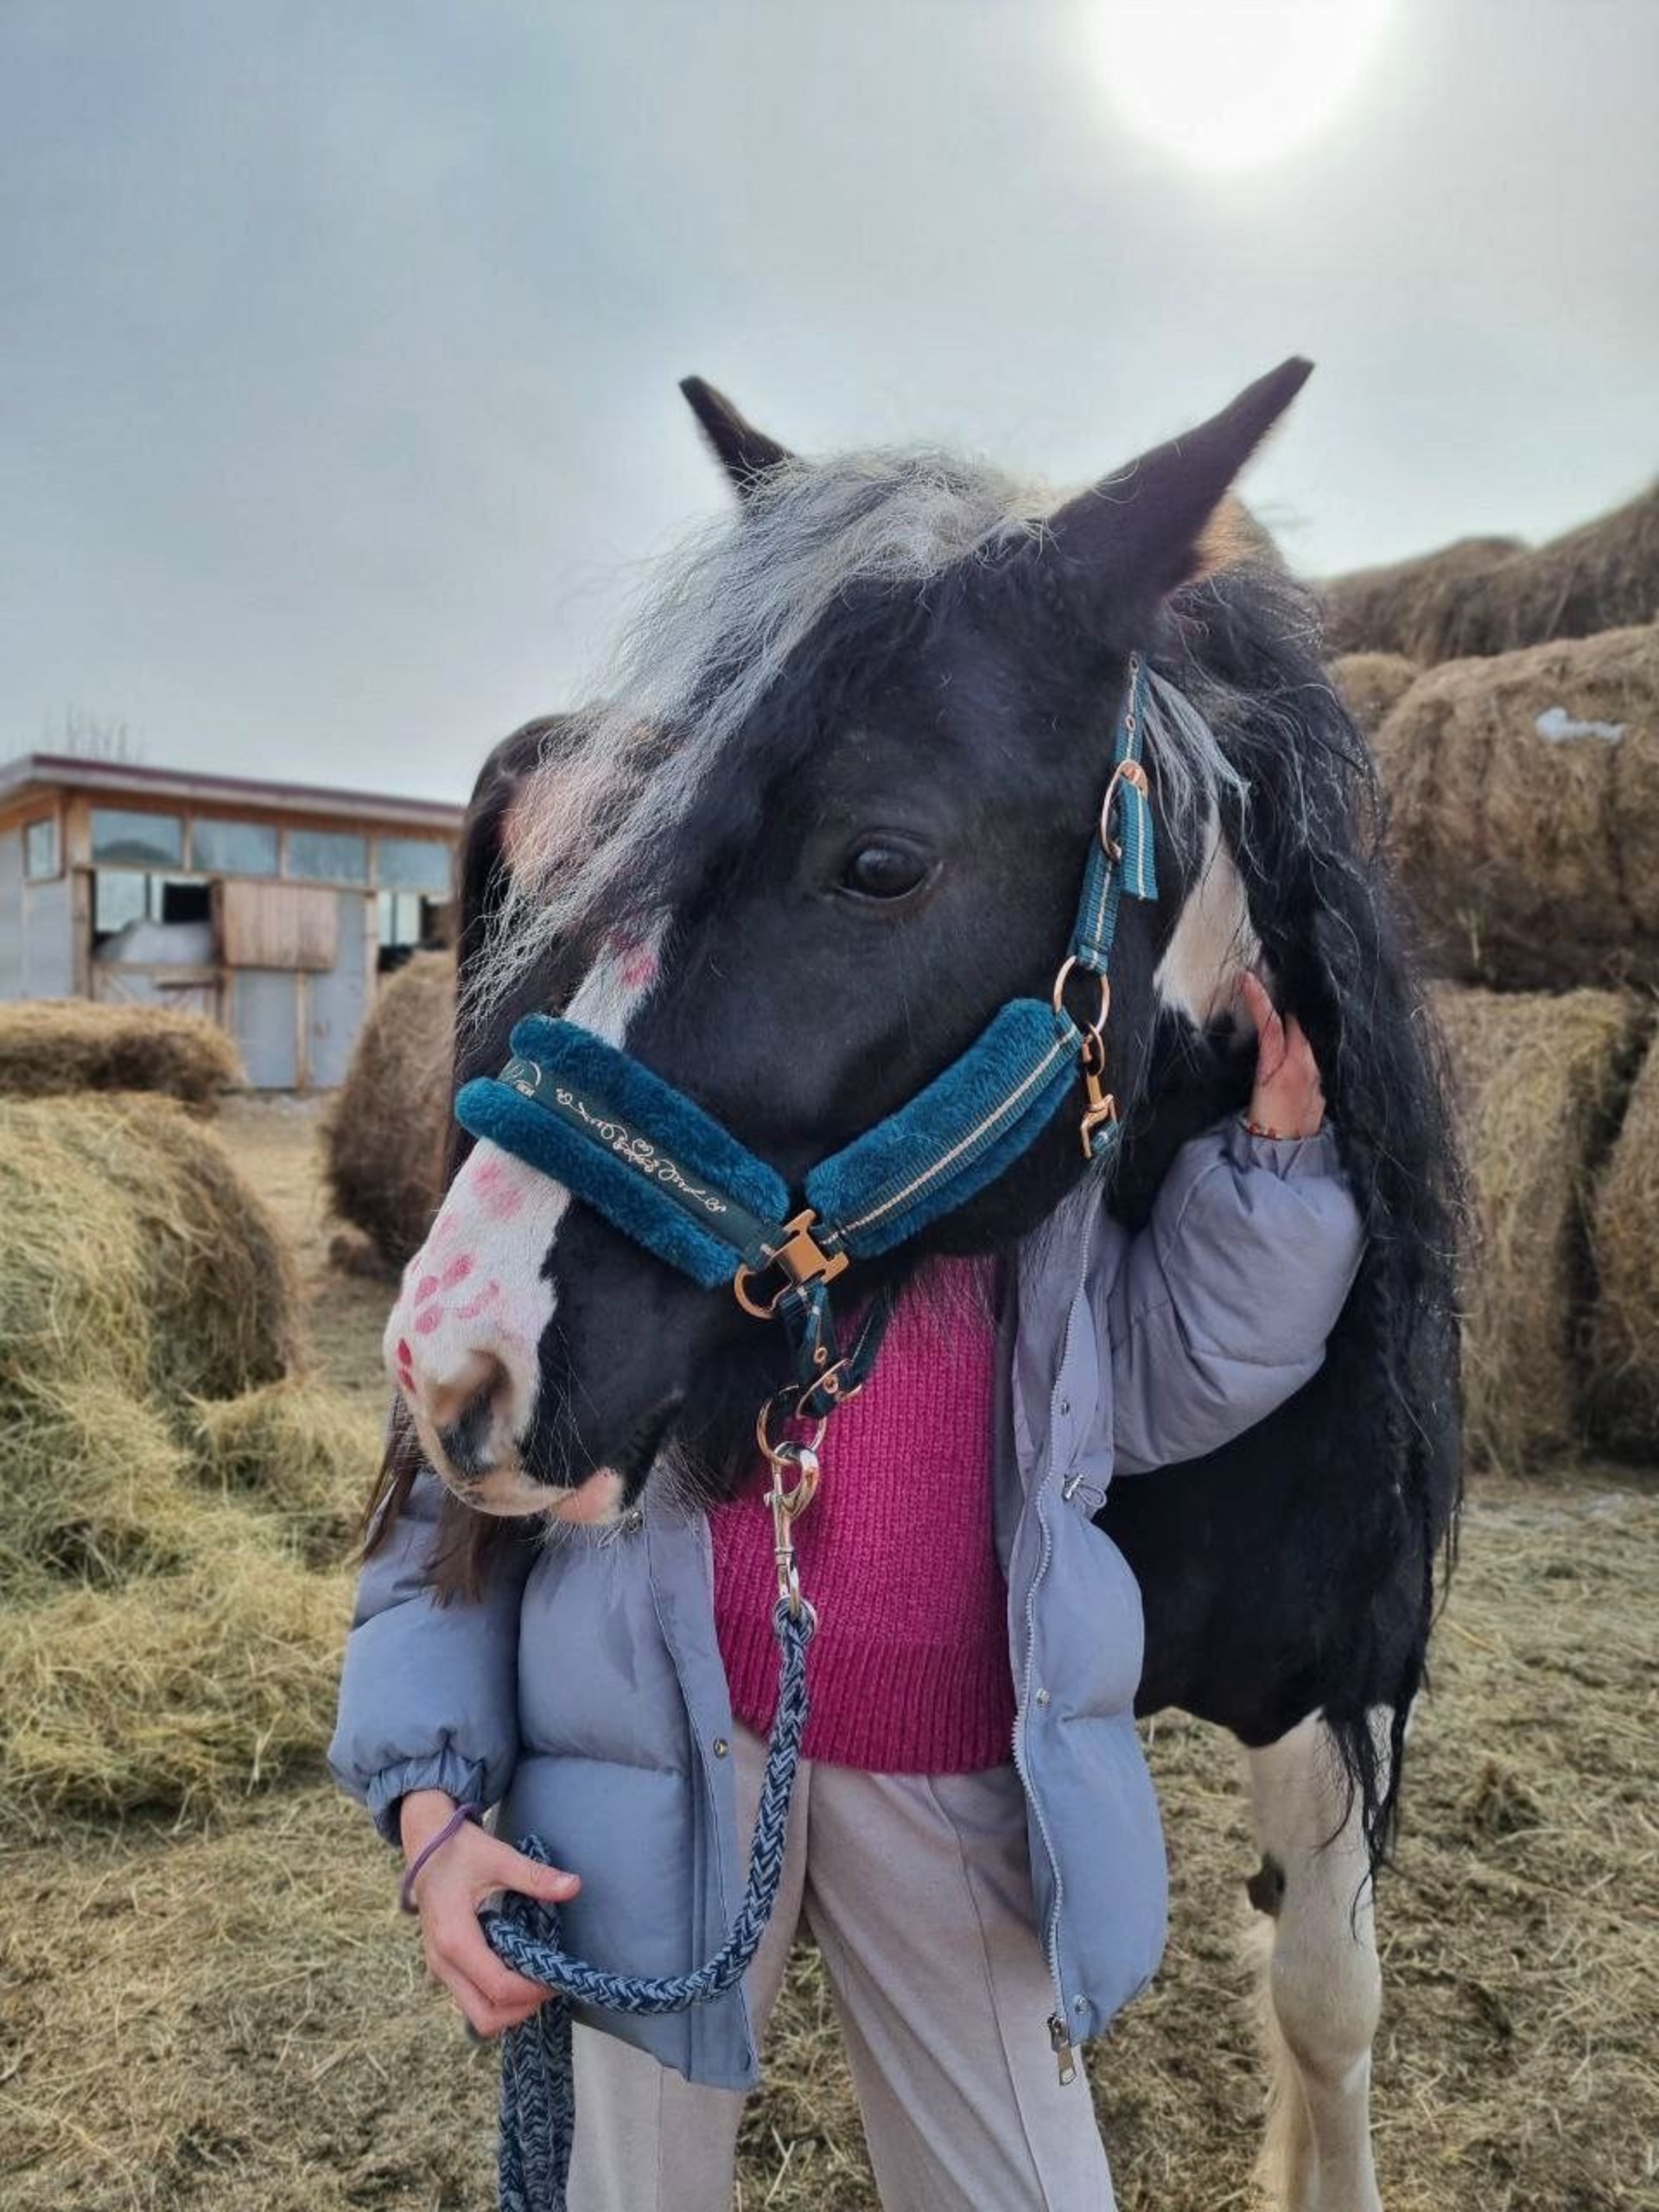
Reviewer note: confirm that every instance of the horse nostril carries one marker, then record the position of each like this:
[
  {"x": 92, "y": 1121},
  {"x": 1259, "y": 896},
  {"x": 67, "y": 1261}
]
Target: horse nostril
[{"x": 473, "y": 1387}]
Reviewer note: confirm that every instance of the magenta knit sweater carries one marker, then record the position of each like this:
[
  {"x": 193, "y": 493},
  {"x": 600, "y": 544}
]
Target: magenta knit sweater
[{"x": 909, "y": 1671}]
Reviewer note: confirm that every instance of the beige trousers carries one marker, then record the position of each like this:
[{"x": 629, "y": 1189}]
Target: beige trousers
[{"x": 917, "y": 1889}]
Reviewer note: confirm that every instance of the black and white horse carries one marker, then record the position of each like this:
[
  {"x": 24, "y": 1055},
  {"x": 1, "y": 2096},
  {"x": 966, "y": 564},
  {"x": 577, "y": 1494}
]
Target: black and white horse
[{"x": 833, "y": 814}]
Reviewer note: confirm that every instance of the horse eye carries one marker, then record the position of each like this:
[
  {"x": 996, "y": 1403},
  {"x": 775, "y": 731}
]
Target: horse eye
[{"x": 883, "y": 871}]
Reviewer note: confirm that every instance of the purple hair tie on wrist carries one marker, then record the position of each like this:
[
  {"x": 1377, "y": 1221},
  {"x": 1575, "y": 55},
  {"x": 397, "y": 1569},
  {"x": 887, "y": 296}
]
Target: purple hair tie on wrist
[{"x": 457, "y": 1822}]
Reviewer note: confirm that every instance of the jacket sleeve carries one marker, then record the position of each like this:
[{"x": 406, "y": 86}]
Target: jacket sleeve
[
  {"x": 1223, "y": 1303},
  {"x": 428, "y": 1693}
]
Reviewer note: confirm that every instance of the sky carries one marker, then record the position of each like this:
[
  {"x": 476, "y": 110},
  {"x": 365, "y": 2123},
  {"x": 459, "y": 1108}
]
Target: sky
[{"x": 339, "y": 343}]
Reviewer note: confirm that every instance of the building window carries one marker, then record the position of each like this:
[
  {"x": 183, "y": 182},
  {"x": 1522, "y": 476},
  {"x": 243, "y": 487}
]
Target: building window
[
  {"x": 233, "y": 848},
  {"x": 122, "y": 895},
  {"x": 328, "y": 855},
  {"x": 413, "y": 864},
  {"x": 123, "y": 838},
  {"x": 118, "y": 899},
  {"x": 41, "y": 846},
  {"x": 406, "y": 923}
]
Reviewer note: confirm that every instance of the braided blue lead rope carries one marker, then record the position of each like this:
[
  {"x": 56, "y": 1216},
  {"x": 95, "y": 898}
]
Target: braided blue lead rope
[{"x": 538, "y": 2095}]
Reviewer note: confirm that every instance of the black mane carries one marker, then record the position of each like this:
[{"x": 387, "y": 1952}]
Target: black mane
[{"x": 1329, "y": 1518}]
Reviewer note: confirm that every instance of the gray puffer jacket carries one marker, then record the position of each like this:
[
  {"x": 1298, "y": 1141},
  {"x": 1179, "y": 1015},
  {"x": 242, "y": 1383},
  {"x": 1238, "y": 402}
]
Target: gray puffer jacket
[{"x": 585, "y": 1695}]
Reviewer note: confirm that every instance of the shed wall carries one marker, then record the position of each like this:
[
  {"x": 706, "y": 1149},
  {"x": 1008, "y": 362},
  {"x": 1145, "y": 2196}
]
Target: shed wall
[
  {"x": 11, "y": 913},
  {"x": 49, "y": 939}
]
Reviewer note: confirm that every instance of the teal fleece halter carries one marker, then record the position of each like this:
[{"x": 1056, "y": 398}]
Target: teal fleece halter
[{"x": 666, "y": 1173}]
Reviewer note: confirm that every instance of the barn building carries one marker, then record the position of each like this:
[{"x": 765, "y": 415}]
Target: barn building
[{"x": 273, "y": 907}]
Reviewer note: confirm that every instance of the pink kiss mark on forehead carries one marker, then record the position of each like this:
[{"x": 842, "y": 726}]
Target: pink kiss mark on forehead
[
  {"x": 458, "y": 1270},
  {"x": 432, "y": 1319}
]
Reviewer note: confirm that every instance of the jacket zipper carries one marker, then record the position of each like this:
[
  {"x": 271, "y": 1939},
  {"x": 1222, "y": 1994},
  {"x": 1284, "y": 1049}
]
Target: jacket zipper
[{"x": 1059, "y": 2032}]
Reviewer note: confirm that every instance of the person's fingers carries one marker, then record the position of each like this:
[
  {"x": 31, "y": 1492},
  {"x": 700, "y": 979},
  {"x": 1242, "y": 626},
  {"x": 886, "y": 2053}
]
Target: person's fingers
[
  {"x": 1257, "y": 1004},
  {"x": 457, "y": 1942},
  {"x": 1269, "y": 1027},
  {"x": 511, "y": 1870},
  {"x": 485, "y": 2019},
  {"x": 1298, "y": 1055}
]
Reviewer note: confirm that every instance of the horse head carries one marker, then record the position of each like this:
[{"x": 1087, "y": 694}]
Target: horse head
[{"x": 834, "y": 814}]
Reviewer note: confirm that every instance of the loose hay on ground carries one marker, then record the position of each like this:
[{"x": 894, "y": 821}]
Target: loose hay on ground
[
  {"x": 387, "y": 1128},
  {"x": 237, "y": 2018},
  {"x": 1624, "y": 1350},
  {"x": 1539, "y": 1079},
  {"x": 1524, "y": 805},
  {"x": 70, "y": 1044}
]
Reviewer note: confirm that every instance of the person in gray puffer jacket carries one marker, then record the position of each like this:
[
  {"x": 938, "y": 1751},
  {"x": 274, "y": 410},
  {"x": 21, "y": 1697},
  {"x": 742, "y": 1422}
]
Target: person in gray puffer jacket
[{"x": 978, "y": 1913}]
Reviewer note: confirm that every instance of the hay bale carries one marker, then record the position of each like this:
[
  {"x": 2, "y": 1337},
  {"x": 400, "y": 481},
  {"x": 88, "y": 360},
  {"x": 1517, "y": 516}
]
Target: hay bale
[
  {"x": 136, "y": 1274},
  {"x": 1496, "y": 596},
  {"x": 1539, "y": 1079},
  {"x": 1603, "y": 575},
  {"x": 1524, "y": 798},
  {"x": 130, "y": 1248},
  {"x": 300, "y": 1451},
  {"x": 1373, "y": 684},
  {"x": 161, "y": 1644},
  {"x": 1624, "y": 1383},
  {"x": 178, "y": 1691},
  {"x": 58, "y": 1045},
  {"x": 93, "y": 1486},
  {"x": 1406, "y": 607},
  {"x": 389, "y": 1126}
]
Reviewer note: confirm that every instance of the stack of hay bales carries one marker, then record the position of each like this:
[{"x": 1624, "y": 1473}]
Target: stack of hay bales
[
  {"x": 1524, "y": 793},
  {"x": 1524, "y": 800},
  {"x": 1406, "y": 607},
  {"x": 1623, "y": 1347},
  {"x": 166, "y": 1473},
  {"x": 49, "y": 1046},
  {"x": 388, "y": 1128},
  {"x": 1493, "y": 595},
  {"x": 1540, "y": 1076}
]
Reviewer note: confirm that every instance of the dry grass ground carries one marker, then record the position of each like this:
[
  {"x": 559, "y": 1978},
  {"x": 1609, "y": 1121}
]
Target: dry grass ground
[{"x": 233, "y": 2015}]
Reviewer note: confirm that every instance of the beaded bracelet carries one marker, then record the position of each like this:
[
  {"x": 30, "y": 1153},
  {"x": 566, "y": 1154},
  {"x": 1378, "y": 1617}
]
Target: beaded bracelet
[{"x": 452, "y": 1826}]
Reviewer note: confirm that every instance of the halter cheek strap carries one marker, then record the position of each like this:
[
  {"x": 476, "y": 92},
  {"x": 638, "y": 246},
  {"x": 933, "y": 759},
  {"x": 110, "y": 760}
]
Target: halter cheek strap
[{"x": 667, "y": 1174}]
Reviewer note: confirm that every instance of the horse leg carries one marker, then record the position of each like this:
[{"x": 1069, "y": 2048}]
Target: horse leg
[{"x": 1321, "y": 1986}]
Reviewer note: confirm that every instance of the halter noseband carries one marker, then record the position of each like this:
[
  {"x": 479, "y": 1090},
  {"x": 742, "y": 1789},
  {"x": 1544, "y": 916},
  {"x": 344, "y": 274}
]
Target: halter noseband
[{"x": 668, "y": 1175}]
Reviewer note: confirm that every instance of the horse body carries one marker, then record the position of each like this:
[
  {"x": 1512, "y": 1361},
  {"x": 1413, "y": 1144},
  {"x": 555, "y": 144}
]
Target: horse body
[{"x": 881, "y": 841}]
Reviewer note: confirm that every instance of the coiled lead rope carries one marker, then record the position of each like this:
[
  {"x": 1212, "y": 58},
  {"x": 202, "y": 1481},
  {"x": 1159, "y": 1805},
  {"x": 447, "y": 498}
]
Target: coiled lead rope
[{"x": 538, "y": 2095}]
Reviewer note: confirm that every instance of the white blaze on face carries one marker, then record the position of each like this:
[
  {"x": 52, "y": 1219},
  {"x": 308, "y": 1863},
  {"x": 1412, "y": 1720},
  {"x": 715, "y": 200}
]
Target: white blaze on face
[
  {"x": 476, "y": 1300},
  {"x": 1212, "y": 939}
]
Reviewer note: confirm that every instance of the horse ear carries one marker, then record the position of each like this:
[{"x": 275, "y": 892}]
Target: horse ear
[
  {"x": 743, "y": 452},
  {"x": 1138, "y": 534}
]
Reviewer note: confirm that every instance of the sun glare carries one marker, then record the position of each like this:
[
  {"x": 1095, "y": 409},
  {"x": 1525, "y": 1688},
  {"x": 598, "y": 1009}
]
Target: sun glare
[{"x": 1226, "y": 84}]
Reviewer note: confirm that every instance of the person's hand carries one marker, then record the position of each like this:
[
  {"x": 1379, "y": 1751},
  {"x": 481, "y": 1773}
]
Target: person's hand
[
  {"x": 453, "y": 1884},
  {"x": 1288, "y": 1100}
]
